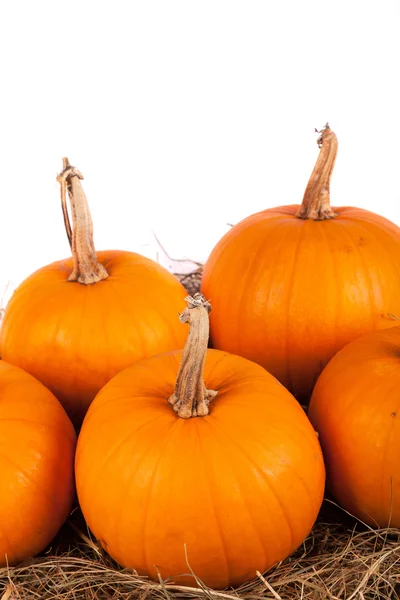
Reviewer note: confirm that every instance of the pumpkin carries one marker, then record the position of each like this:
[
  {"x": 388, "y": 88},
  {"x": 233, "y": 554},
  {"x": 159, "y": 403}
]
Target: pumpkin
[
  {"x": 228, "y": 482},
  {"x": 37, "y": 449},
  {"x": 75, "y": 323},
  {"x": 355, "y": 408},
  {"x": 292, "y": 285}
]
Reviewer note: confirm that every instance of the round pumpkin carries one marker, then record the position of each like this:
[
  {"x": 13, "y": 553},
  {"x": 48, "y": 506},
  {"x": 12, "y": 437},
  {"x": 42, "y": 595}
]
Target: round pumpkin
[
  {"x": 75, "y": 323},
  {"x": 292, "y": 285},
  {"x": 229, "y": 482},
  {"x": 355, "y": 408},
  {"x": 37, "y": 450}
]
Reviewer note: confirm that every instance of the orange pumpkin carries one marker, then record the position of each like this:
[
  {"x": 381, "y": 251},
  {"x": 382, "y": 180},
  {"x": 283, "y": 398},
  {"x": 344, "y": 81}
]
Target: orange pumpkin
[
  {"x": 292, "y": 285},
  {"x": 355, "y": 409},
  {"x": 37, "y": 449},
  {"x": 238, "y": 488},
  {"x": 75, "y": 323}
]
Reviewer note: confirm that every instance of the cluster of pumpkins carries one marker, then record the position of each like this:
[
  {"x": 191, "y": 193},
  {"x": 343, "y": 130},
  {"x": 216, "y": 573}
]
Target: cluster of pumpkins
[{"x": 196, "y": 458}]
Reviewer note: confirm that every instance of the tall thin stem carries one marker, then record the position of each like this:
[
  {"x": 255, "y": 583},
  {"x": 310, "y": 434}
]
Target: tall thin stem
[
  {"x": 316, "y": 200},
  {"x": 191, "y": 398},
  {"x": 87, "y": 269}
]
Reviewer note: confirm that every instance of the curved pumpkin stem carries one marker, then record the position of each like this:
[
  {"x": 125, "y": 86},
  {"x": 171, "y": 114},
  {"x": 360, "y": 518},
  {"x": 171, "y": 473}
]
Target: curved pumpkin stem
[
  {"x": 191, "y": 397},
  {"x": 87, "y": 269},
  {"x": 316, "y": 200}
]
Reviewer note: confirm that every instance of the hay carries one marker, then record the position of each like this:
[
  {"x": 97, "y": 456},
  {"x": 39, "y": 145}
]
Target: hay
[{"x": 341, "y": 559}]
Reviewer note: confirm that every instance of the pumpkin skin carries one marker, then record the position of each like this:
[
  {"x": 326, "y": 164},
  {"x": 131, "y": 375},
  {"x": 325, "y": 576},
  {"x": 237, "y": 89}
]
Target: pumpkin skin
[
  {"x": 37, "y": 449},
  {"x": 75, "y": 337},
  {"x": 149, "y": 482},
  {"x": 289, "y": 291},
  {"x": 355, "y": 408}
]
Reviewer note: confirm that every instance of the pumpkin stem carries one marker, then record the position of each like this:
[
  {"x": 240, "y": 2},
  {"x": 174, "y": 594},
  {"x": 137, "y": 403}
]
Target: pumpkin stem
[
  {"x": 316, "y": 200},
  {"x": 87, "y": 268},
  {"x": 191, "y": 397}
]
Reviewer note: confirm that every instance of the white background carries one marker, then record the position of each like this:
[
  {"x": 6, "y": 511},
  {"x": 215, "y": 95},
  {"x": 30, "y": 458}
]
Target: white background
[{"x": 184, "y": 116}]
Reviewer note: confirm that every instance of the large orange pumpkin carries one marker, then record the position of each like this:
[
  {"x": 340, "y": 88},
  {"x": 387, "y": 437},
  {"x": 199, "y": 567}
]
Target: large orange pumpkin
[
  {"x": 75, "y": 323},
  {"x": 292, "y": 285},
  {"x": 355, "y": 407},
  {"x": 238, "y": 488},
  {"x": 37, "y": 449}
]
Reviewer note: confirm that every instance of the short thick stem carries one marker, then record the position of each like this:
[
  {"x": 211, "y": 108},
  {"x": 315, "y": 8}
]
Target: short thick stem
[
  {"x": 86, "y": 268},
  {"x": 316, "y": 200},
  {"x": 191, "y": 397}
]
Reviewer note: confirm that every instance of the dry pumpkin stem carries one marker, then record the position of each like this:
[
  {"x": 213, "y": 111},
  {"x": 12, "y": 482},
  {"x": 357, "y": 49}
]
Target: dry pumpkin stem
[
  {"x": 87, "y": 269},
  {"x": 191, "y": 397},
  {"x": 316, "y": 200}
]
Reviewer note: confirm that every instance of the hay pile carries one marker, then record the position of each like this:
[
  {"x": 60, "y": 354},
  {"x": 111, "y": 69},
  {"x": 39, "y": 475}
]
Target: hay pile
[{"x": 341, "y": 559}]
